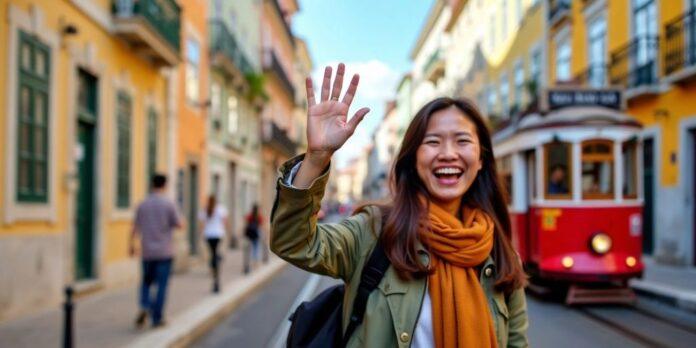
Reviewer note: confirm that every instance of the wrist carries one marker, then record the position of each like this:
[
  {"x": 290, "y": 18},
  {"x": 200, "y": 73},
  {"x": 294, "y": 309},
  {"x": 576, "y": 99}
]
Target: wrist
[{"x": 318, "y": 158}]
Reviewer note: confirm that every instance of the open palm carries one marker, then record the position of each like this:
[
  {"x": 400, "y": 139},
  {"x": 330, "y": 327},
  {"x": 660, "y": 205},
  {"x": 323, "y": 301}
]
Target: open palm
[{"x": 328, "y": 126}]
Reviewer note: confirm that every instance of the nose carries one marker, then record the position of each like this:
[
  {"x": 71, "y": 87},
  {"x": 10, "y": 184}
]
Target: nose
[{"x": 447, "y": 151}]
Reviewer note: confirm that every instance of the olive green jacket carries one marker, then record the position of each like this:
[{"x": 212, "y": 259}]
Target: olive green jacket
[{"x": 340, "y": 250}]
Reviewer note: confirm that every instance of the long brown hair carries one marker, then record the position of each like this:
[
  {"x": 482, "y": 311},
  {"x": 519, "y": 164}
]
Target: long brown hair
[
  {"x": 406, "y": 212},
  {"x": 210, "y": 207}
]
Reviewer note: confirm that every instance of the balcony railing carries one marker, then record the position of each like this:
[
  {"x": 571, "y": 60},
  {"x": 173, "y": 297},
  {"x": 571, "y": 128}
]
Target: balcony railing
[
  {"x": 680, "y": 43},
  {"x": 278, "y": 138},
  {"x": 224, "y": 43},
  {"x": 594, "y": 76},
  {"x": 558, "y": 9},
  {"x": 151, "y": 23},
  {"x": 272, "y": 64},
  {"x": 635, "y": 64},
  {"x": 434, "y": 68}
]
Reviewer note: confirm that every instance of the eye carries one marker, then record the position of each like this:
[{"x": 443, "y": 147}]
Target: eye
[
  {"x": 463, "y": 141},
  {"x": 431, "y": 141}
]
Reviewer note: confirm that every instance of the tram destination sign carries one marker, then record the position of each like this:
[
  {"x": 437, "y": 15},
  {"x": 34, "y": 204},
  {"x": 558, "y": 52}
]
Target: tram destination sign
[{"x": 563, "y": 98}]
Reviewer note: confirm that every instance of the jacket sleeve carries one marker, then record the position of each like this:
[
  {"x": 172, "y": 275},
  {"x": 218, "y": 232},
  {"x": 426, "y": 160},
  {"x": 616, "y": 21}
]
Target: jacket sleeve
[
  {"x": 518, "y": 324},
  {"x": 327, "y": 249}
]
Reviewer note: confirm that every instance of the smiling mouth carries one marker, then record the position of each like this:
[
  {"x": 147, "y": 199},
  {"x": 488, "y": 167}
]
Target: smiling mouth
[{"x": 448, "y": 176}]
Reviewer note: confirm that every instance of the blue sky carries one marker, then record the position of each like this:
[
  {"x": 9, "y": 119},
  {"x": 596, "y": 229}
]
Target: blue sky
[{"x": 374, "y": 38}]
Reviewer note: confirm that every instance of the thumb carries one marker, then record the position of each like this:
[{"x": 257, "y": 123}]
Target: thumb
[{"x": 357, "y": 118}]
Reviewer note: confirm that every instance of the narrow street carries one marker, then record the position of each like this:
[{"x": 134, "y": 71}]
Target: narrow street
[{"x": 261, "y": 320}]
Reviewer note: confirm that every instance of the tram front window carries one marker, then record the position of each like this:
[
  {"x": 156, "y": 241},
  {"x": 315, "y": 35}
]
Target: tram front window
[
  {"x": 597, "y": 169},
  {"x": 505, "y": 172},
  {"x": 558, "y": 178}
]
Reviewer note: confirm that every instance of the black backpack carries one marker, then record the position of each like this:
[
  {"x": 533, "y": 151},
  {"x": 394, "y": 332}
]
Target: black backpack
[
  {"x": 252, "y": 229},
  {"x": 317, "y": 323}
]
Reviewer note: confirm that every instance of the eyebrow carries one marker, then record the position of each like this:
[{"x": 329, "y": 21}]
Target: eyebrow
[{"x": 457, "y": 134}]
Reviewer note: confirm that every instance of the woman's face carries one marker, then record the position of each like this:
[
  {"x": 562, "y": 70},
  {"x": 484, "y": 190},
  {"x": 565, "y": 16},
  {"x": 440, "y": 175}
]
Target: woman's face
[{"x": 450, "y": 156}]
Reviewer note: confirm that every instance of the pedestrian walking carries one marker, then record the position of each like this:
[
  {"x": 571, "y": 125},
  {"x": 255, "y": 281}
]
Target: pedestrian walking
[
  {"x": 155, "y": 219},
  {"x": 454, "y": 279},
  {"x": 252, "y": 231},
  {"x": 214, "y": 224}
]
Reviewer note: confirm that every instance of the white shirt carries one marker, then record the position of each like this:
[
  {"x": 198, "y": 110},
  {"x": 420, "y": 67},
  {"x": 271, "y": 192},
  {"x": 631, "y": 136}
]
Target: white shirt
[
  {"x": 423, "y": 335},
  {"x": 215, "y": 224}
]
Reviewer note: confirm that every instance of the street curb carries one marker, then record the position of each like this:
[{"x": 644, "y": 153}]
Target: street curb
[
  {"x": 200, "y": 318},
  {"x": 676, "y": 298}
]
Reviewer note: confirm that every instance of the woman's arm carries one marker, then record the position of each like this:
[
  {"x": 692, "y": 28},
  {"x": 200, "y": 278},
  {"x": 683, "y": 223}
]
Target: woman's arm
[
  {"x": 295, "y": 235},
  {"x": 519, "y": 322}
]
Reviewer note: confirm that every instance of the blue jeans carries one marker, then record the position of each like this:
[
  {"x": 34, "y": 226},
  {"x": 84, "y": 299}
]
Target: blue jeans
[{"x": 155, "y": 271}]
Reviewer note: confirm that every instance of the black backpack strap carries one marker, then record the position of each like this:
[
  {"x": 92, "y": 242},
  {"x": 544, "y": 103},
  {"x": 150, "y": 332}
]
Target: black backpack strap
[{"x": 372, "y": 274}]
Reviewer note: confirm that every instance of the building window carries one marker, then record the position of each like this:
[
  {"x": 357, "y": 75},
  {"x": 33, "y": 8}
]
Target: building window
[
  {"x": 597, "y": 43},
  {"x": 151, "y": 143},
  {"x": 124, "y": 109},
  {"x": 32, "y": 120},
  {"x": 558, "y": 170},
  {"x": 232, "y": 114},
  {"x": 215, "y": 98},
  {"x": 597, "y": 169},
  {"x": 193, "y": 60},
  {"x": 645, "y": 31},
  {"x": 505, "y": 94},
  {"x": 504, "y": 166},
  {"x": 535, "y": 66},
  {"x": 519, "y": 85},
  {"x": 492, "y": 99},
  {"x": 563, "y": 52},
  {"x": 629, "y": 151}
]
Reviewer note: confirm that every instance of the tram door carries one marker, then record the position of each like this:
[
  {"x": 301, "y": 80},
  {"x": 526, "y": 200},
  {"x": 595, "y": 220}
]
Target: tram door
[
  {"x": 530, "y": 196},
  {"x": 648, "y": 194}
]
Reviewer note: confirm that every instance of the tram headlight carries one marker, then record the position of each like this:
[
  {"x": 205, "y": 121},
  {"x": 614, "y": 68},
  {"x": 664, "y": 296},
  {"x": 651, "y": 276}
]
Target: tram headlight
[{"x": 600, "y": 243}]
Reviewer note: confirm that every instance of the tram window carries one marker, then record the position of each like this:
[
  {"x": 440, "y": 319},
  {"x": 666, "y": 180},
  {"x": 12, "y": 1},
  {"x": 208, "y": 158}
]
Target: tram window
[
  {"x": 597, "y": 169},
  {"x": 505, "y": 173},
  {"x": 558, "y": 170},
  {"x": 629, "y": 150}
]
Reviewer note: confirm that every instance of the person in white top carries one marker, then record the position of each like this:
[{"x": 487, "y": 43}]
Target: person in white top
[{"x": 214, "y": 223}]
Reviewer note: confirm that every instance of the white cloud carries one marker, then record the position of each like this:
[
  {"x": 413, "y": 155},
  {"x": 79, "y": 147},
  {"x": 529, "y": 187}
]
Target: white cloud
[{"x": 377, "y": 85}]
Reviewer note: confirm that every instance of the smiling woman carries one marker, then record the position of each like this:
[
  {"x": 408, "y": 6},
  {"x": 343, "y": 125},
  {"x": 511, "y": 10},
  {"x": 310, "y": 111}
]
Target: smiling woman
[{"x": 454, "y": 279}]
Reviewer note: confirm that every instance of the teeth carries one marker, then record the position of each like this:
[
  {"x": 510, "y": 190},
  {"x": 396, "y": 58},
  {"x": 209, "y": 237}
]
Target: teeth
[{"x": 448, "y": 171}]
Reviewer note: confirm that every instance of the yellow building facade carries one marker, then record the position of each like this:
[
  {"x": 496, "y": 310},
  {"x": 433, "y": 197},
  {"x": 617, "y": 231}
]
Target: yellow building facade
[{"x": 86, "y": 104}]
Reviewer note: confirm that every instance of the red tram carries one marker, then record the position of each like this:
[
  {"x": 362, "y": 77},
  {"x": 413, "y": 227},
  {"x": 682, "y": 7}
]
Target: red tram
[{"x": 573, "y": 173}]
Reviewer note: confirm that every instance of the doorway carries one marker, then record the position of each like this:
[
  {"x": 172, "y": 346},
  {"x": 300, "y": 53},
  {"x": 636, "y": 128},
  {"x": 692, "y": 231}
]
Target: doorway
[
  {"x": 86, "y": 159},
  {"x": 192, "y": 214},
  {"x": 648, "y": 194}
]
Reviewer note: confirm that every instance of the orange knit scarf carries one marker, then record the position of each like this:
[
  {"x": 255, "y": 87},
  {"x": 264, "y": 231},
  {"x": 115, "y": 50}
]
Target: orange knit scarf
[{"x": 460, "y": 313}]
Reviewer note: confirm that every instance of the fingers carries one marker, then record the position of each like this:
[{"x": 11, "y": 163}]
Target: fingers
[
  {"x": 325, "y": 85},
  {"x": 310, "y": 92},
  {"x": 348, "y": 98},
  {"x": 338, "y": 82},
  {"x": 357, "y": 118}
]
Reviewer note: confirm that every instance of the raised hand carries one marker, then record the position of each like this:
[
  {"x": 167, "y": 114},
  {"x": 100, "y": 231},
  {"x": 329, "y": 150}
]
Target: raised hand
[{"x": 328, "y": 127}]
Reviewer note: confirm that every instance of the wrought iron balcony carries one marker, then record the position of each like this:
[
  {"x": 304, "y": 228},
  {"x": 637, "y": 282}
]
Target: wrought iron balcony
[
  {"x": 594, "y": 76},
  {"x": 225, "y": 50},
  {"x": 635, "y": 64},
  {"x": 272, "y": 64},
  {"x": 277, "y": 138},
  {"x": 680, "y": 46},
  {"x": 434, "y": 68},
  {"x": 558, "y": 9},
  {"x": 151, "y": 26}
]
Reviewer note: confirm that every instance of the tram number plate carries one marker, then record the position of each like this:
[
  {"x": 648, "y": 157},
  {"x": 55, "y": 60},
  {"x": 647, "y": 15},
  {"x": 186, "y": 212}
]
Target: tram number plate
[{"x": 549, "y": 218}]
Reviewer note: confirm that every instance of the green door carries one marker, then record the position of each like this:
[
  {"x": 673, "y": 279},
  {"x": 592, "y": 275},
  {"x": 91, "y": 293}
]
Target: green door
[
  {"x": 648, "y": 194},
  {"x": 85, "y": 157},
  {"x": 192, "y": 213}
]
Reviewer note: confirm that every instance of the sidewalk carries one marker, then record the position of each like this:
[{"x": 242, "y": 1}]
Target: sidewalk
[
  {"x": 106, "y": 319},
  {"x": 676, "y": 285}
]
